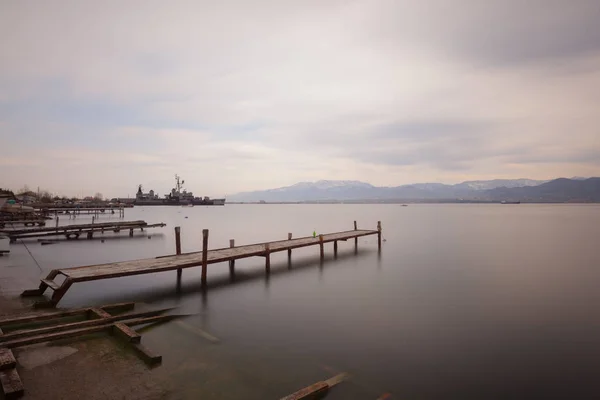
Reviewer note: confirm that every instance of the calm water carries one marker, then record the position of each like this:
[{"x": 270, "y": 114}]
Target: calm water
[{"x": 464, "y": 301}]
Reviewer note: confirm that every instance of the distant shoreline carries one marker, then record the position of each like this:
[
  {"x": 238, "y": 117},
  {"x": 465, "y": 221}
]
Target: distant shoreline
[{"x": 410, "y": 202}]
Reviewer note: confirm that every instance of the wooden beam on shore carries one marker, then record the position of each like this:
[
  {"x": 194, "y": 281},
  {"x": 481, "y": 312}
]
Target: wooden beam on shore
[
  {"x": 38, "y": 317},
  {"x": 104, "y": 319},
  {"x": 24, "y": 341},
  {"x": 12, "y": 386}
]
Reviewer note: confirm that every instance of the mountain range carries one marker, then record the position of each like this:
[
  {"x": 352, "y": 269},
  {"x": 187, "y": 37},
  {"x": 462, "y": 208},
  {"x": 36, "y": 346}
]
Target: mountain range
[{"x": 526, "y": 190}]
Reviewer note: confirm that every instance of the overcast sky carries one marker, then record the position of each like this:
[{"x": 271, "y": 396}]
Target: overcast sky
[{"x": 243, "y": 95}]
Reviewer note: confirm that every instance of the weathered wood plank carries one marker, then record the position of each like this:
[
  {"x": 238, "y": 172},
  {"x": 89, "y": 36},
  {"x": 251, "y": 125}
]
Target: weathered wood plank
[
  {"x": 126, "y": 332},
  {"x": 40, "y": 317},
  {"x": 314, "y": 391},
  {"x": 11, "y": 384},
  {"x": 82, "y": 331},
  {"x": 51, "y": 283},
  {"x": 7, "y": 359},
  {"x": 146, "y": 354},
  {"x": 82, "y": 324},
  {"x": 99, "y": 313}
]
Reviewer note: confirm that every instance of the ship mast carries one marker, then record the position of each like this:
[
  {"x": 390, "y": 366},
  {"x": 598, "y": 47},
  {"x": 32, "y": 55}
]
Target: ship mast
[{"x": 179, "y": 185}]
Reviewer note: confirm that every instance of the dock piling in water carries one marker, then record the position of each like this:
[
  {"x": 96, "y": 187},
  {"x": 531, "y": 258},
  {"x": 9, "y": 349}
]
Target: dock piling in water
[
  {"x": 322, "y": 250},
  {"x": 289, "y": 250},
  {"x": 379, "y": 235},
  {"x": 267, "y": 258},
  {"x": 232, "y": 261},
  {"x": 204, "y": 255},
  {"x": 356, "y": 238},
  {"x": 178, "y": 249}
]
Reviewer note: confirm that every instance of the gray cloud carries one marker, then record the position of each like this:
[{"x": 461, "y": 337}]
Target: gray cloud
[
  {"x": 495, "y": 33},
  {"x": 384, "y": 91}
]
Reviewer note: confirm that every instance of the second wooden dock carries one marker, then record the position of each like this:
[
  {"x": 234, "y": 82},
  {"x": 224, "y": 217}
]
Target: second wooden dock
[
  {"x": 74, "y": 231},
  {"x": 202, "y": 258}
]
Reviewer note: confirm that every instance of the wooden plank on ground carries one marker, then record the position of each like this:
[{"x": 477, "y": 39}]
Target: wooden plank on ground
[
  {"x": 7, "y": 321},
  {"x": 81, "y": 324},
  {"x": 7, "y": 359},
  {"x": 98, "y": 312},
  {"x": 80, "y": 332},
  {"x": 11, "y": 384},
  {"x": 126, "y": 332},
  {"x": 146, "y": 354}
]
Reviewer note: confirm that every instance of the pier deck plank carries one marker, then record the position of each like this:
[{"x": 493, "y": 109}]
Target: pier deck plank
[{"x": 168, "y": 263}]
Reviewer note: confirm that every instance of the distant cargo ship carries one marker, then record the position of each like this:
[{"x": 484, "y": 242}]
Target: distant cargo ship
[
  {"x": 177, "y": 197},
  {"x": 510, "y": 202}
]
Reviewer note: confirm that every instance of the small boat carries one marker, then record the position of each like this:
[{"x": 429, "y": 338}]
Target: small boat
[{"x": 404, "y": 205}]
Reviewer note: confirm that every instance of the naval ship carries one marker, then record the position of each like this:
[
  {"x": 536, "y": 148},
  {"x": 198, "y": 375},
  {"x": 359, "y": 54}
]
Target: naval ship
[{"x": 178, "y": 197}]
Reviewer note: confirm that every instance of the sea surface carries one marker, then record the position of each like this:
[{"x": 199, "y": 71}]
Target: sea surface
[{"x": 464, "y": 301}]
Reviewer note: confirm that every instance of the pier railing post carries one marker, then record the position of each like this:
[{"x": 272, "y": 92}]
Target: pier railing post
[
  {"x": 379, "y": 235},
  {"x": 231, "y": 262},
  {"x": 178, "y": 249},
  {"x": 321, "y": 247},
  {"x": 267, "y": 258},
  {"x": 204, "y": 255},
  {"x": 289, "y": 250}
]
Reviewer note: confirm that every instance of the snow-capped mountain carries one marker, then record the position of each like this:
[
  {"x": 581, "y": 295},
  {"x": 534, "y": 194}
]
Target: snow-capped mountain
[
  {"x": 496, "y": 183},
  {"x": 356, "y": 190}
]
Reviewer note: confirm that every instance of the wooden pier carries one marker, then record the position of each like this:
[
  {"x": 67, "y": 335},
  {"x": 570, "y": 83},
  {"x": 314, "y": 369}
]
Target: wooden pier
[
  {"x": 181, "y": 261},
  {"x": 24, "y": 222},
  {"x": 74, "y": 231}
]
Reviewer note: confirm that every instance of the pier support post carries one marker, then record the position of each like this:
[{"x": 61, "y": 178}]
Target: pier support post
[
  {"x": 231, "y": 262},
  {"x": 321, "y": 247},
  {"x": 335, "y": 248},
  {"x": 355, "y": 239},
  {"x": 178, "y": 249},
  {"x": 204, "y": 256},
  {"x": 379, "y": 235},
  {"x": 131, "y": 232},
  {"x": 90, "y": 235},
  {"x": 289, "y": 250},
  {"x": 57, "y": 222},
  {"x": 267, "y": 258}
]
